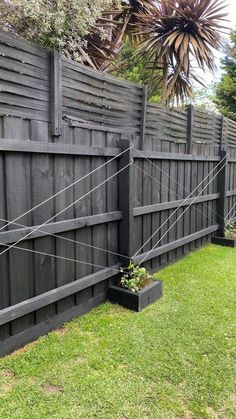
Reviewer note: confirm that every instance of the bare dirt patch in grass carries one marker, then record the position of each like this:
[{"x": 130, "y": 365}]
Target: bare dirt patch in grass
[
  {"x": 52, "y": 389},
  {"x": 23, "y": 350},
  {"x": 61, "y": 332},
  {"x": 81, "y": 360},
  {"x": 5, "y": 388},
  {"x": 7, "y": 380},
  {"x": 7, "y": 373}
]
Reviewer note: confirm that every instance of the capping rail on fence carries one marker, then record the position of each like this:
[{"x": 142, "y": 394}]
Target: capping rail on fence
[{"x": 61, "y": 121}]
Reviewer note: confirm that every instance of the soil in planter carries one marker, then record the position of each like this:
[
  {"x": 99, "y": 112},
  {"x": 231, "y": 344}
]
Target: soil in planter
[{"x": 146, "y": 282}]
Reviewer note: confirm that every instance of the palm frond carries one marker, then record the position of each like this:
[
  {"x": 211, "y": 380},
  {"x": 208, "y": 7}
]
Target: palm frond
[
  {"x": 168, "y": 34},
  {"x": 180, "y": 32}
]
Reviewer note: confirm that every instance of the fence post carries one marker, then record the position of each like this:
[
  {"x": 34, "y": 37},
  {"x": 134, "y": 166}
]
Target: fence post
[
  {"x": 221, "y": 187},
  {"x": 190, "y": 129},
  {"x": 143, "y": 116},
  {"x": 126, "y": 203},
  {"x": 222, "y": 133},
  {"x": 56, "y": 93}
]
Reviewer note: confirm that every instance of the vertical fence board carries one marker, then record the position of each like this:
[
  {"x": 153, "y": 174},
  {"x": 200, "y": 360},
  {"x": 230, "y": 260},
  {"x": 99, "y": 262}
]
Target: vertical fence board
[
  {"x": 112, "y": 201},
  {"x": 99, "y": 207},
  {"x": 42, "y": 188},
  {"x": 56, "y": 93},
  {"x": 186, "y": 192},
  {"x": 18, "y": 200},
  {"x": 221, "y": 184},
  {"x": 138, "y": 202},
  {"x": 64, "y": 176},
  {"x": 147, "y": 200},
  {"x": 164, "y": 198},
  {"x": 172, "y": 197},
  {"x": 156, "y": 198},
  {"x": 126, "y": 203},
  {"x": 179, "y": 225},
  {"x": 82, "y": 166}
]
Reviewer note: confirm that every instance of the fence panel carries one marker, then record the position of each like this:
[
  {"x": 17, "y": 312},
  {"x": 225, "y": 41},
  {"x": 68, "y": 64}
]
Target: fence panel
[
  {"x": 167, "y": 125},
  {"x": 98, "y": 98},
  {"x": 28, "y": 173},
  {"x": 171, "y": 182},
  {"x": 24, "y": 79}
]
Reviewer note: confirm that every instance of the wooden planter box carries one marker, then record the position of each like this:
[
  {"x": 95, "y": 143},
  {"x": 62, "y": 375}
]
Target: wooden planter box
[
  {"x": 135, "y": 301},
  {"x": 222, "y": 241}
]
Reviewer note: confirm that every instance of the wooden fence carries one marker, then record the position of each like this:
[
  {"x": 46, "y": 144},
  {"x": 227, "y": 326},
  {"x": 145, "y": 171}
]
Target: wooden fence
[{"x": 59, "y": 121}]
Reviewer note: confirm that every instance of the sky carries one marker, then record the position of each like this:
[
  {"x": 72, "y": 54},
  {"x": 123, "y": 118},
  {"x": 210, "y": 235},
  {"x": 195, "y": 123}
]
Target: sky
[{"x": 231, "y": 10}]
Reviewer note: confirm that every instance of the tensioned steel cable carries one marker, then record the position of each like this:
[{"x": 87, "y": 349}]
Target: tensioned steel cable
[
  {"x": 232, "y": 217},
  {"x": 229, "y": 213},
  {"x": 181, "y": 215},
  {"x": 142, "y": 261},
  {"x": 170, "y": 190},
  {"x": 66, "y": 188},
  {"x": 175, "y": 181},
  {"x": 168, "y": 219},
  {"x": 57, "y": 236},
  {"x": 58, "y": 257},
  {"x": 181, "y": 205},
  {"x": 65, "y": 209},
  {"x": 70, "y": 240}
]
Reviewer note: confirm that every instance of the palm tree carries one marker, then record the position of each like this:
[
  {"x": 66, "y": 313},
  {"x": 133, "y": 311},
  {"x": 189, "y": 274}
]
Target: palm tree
[
  {"x": 106, "y": 39},
  {"x": 171, "y": 35},
  {"x": 177, "y": 34}
]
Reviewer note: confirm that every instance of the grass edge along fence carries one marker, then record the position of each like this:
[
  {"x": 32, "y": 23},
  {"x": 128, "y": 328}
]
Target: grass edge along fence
[{"x": 136, "y": 180}]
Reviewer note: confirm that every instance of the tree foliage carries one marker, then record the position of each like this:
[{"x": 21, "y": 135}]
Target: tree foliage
[
  {"x": 131, "y": 67},
  {"x": 177, "y": 33},
  {"x": 59, "y": 24},
  {"x": 167, "y": 36},
  {"x": 225, "y": 97}
]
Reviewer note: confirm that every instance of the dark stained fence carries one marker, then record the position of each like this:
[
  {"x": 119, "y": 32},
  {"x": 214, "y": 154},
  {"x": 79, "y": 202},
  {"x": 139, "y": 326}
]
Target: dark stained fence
[
  {"x": 97, "y": 98},
  {"x": 173, "y": 178},
  {"x": 60, "y": 120},
  {"x": 229, "y": 135},
  {"x": 229, "y": 141},
  {"x": 168, "y": 127},
  {"x": 207, "y": 131},
  {"x": 24, "y": 78}
]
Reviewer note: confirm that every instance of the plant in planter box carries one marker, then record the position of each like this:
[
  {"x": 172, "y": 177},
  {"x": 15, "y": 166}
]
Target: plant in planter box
[
  {"x": 230, "y": 231},
  {"x": 134, "y": 278},
  {"x": 229, "y": 238},
  {"x": 136, "y": 290}
]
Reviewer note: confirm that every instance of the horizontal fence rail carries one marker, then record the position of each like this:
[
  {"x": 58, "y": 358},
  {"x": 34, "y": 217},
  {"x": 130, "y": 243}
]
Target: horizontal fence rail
[{"x": 156, "y": 184}]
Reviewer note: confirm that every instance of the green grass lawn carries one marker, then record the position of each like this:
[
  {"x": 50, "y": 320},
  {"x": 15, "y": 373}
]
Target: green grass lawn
[{"x": 176, "y": 359}]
